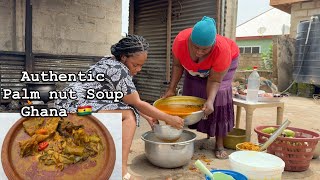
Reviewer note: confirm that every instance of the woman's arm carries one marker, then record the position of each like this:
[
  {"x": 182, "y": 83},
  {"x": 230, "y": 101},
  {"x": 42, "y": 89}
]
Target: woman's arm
[
  {"x": 213, "y": 84},
  {"x": 151, "y": 121},
  {"x": 149, "y": 110},
  {"x": 176, "y": 73}
]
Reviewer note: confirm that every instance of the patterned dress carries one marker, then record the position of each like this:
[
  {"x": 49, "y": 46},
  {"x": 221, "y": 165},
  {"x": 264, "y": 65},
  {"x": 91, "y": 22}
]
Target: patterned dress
[{"x": 117, "y": 78}]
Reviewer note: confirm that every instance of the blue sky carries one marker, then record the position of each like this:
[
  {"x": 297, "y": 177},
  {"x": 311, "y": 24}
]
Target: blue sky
[{"x": 247, "y": 9}]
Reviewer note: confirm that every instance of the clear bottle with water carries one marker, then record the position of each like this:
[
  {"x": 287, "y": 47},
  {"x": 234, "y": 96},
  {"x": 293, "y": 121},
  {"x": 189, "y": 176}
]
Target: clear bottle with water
[{"x": 253, "y": 86}]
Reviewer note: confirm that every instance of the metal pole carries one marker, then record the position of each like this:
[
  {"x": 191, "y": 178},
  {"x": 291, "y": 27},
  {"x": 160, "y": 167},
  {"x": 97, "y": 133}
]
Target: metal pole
[
  {"x": 0, "y": 85},
  {"x": 168, "y": 56},
  {"x": 28, "y": 37},
  {"x": 218, "y": 16},
  {"x": 131, "y": 17},
  {"x": 14, "y": 26}
]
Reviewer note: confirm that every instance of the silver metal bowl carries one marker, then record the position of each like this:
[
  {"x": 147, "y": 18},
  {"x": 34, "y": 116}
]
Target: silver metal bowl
[
  {"x": 169, "y": 155},
  {"x": 167, "y": 132}
]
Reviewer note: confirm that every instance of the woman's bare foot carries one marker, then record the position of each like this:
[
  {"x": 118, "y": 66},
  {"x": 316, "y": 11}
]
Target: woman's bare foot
[
  {"x": 129, "y": 176},
  {"x": 221, "y": 153}
]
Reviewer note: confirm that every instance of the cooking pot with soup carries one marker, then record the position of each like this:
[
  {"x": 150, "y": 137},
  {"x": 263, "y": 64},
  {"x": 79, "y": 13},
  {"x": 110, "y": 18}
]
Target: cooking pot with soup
[{"x": 187, "y": 107}]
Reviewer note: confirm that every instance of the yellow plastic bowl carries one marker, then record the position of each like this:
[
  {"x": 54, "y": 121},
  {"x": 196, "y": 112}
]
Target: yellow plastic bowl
[{"x": 234, "y": 137}]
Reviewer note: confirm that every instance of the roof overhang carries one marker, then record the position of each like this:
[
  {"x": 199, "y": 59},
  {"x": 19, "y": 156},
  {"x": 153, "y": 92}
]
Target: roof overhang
[
  {"x": 253, "y": 38},
  {"x": 285, "y": 5}
]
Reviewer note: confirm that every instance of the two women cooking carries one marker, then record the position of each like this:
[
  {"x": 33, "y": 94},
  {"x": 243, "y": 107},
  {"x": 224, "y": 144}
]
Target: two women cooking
[
  {"x": 129, "y": 55},
  {"x": 209, "y": 62}
]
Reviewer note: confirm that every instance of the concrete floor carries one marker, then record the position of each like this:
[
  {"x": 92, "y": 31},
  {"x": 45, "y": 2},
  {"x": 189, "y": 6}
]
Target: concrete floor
[{"x": 302, "y": 112}]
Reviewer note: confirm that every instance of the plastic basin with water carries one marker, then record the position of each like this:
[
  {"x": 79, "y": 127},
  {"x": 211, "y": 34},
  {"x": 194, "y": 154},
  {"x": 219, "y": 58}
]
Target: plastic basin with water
[{"x": 234, "y": 174}]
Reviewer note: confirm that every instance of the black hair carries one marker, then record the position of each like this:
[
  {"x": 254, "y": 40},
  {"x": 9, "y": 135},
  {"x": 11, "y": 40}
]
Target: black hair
[{"x": 129, "y": 45}]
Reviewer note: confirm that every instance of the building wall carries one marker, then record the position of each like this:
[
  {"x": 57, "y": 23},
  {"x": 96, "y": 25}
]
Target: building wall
[
  {"x": 77, "y": 27},
  {"x": 231, "y": 19},
  {"x": 302, "y": 11},
  {"x": 12, "y": 25},
  {"x": 263, "y": 43},
  {"x": 283, "y": 58},
  {"x": 247, "y": 61}
]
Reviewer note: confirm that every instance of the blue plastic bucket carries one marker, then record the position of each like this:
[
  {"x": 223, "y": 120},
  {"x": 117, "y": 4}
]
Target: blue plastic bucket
[{"x": 234, "y": 174}]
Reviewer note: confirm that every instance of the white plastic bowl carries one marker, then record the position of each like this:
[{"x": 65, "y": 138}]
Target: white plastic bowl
[{"x": 257, "y": 165}]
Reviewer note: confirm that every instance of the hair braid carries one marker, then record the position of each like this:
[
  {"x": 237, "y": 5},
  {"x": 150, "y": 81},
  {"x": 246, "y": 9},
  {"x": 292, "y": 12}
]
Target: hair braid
[{"x": 129, "y": 45}]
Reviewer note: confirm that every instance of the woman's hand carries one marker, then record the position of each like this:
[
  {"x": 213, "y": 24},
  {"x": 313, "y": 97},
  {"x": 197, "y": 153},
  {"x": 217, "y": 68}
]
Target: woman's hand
[
  {"x": 207, "y": 108},
  {"x": 152, "y": 122},
  {"x": 169, "y": 93},
  {"x": 176, "y": 122}
]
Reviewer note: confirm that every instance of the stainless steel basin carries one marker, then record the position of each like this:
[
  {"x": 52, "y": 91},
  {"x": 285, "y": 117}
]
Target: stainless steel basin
[{"x": 169, "y": 155}]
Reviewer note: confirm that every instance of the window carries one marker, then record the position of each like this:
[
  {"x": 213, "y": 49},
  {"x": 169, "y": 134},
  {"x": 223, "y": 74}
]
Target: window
[
  {"x": 255, "y": 49},
  {"x": 249, "y": 49}
]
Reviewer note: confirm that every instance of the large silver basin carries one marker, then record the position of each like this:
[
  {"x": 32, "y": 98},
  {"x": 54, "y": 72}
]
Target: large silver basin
[
  {"x": 169, "y": 155},
  {"x": 190, "y": 118}
]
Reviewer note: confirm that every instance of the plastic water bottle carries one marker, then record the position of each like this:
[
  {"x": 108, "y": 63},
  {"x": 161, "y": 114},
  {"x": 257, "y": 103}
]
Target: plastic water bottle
[{"x": 253, "y": 86}]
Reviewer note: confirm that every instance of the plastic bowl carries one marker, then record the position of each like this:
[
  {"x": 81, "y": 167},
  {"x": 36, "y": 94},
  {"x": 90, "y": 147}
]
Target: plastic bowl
[
  {"x": 234, "y": 137},
  {"x": 234, "y": 174},
  {"x": 257, "y": 165},
  {"x": 239, "y": 149}
]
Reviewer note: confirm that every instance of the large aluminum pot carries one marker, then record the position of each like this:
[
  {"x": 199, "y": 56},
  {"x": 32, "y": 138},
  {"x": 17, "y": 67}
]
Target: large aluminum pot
[
  {"x": 189, "y": 118},
  {"x": 169, "y": 155}
]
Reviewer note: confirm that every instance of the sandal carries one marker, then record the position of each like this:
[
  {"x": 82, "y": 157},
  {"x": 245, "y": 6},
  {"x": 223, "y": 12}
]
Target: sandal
[
  {"x": 128, "y": 176},
  {"x": 221, "y": 153}
]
